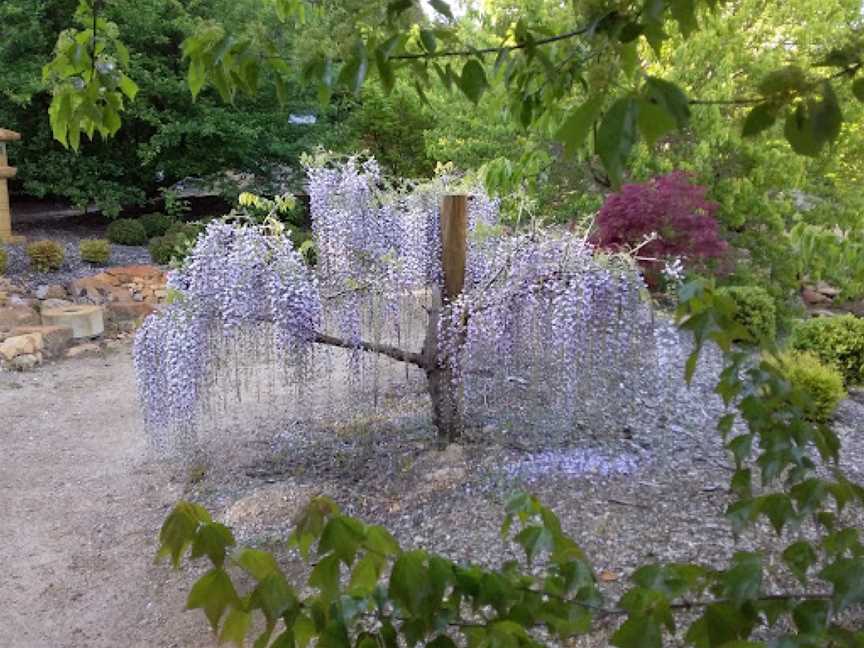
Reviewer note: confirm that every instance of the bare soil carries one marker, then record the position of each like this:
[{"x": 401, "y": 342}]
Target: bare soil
[
  {"x": 81, "y": 505},
  {"x": 80, "y": 515}
]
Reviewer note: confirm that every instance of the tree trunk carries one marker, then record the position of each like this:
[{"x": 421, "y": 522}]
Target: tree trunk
[{"x": 446, "y": 412}]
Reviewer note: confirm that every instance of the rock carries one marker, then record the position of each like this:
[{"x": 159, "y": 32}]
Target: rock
[
  {"x": 93, "y": 288},
  {"x": 268, "y": 509},
  {"x": 83, "y": 350},
  {"x": 53, "y": 302},
  {"x": 20, "y": 315},
  {"x": 55, "y": 339},
  {"x": 128, "y": 311},
  {"x": 136, "y": 274},
  {"x": 827, "y": 289},
  {"x": 821, "y": 312},
  {"x": 26, "y": 361},
  {"x": 56, "y": 291},
  {"x": 41, "y": 292},
  {"x": 17, "y": 345},
  {"x": 854, "y": 307},
  {"x": 85, "y": 320},
  {"x": 813, "y": 297}
]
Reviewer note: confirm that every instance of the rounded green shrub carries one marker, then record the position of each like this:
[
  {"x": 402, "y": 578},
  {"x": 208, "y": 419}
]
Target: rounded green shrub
[
  {"x": 46, "y": 256},
  {"x": 175, "y": 244},
  {"x": 837, "y": 341},
  {"x": 755, "y": 310},
  {"x": 96, "y": 251},
  {"x": 126, "y": 231},
  {"x": 3, "y": 260},
  {"x": 821, "y": 384},
  {"x": 161, "y": 249},
  {"x": 156, "y": 224}
]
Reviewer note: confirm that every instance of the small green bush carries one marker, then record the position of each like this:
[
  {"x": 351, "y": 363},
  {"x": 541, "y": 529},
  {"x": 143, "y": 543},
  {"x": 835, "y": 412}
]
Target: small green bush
[
  {"x": 822, "y": 384},
  {"x": 176, "y": 243},
  {"x": 96, "y": 251},
  {"x": 46, "y": 256},
  {"x": 156, "y": 224},
  {"x": 161, "y": 249},
  {"x": 3, "y": 260},
  {"x": 126, "y": 231},
  {"x": 838, "y": 341},
  {"x": 756, "y": 310}
]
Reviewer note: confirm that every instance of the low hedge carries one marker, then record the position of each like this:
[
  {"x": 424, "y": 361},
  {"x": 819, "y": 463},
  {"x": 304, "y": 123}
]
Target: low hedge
[
  {"x": 755, "y": 310},
  {"x": 837, "y": 341}
]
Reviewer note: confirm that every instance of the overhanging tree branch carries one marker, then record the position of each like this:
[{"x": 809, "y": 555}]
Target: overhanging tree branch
[{"x": 382, "y": 349}]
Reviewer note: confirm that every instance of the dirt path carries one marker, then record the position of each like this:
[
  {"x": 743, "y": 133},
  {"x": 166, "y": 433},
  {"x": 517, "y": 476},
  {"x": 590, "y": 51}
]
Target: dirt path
[{"x": 79, "y": 513}]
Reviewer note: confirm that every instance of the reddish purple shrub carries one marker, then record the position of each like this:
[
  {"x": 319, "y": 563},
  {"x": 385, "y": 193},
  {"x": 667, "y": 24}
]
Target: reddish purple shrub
[{"x": 669, "y": 205}]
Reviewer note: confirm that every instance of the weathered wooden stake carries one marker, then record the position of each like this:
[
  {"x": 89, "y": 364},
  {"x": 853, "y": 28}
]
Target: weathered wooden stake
[
  {"x": 6, "y": 173},
  {"x": 447, "y": 415}
]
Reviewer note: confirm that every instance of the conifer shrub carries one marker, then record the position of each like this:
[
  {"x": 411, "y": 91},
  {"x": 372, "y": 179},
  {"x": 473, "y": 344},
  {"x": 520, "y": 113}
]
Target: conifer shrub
[
  {"x": 3, "y": 260},
  {"x": 175, "y": 244},
  {"x": 156, "y": 224},
  {"x": 755, "y": 310},
  {"x": 820, "y": 384},
  {"x": 126, "y": 231},
  {"x": 46, "y": 256},
  {"x": 96, "y": 251},
  {"x": 837, "y": 341}
]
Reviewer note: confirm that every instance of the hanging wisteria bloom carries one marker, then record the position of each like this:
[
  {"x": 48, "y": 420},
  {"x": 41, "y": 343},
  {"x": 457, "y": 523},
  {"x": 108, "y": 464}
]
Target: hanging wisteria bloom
[{"x": 539, "y": 314}]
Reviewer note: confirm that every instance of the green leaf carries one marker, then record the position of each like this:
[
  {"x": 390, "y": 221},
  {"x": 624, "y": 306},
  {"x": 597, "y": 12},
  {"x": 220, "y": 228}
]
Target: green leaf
[
  {"x": 442, "y": 8},
  {"x": 258, "y": 564},
  {"x": 365, "y": 575},
  {"x": 473, "y": 81},
  {"x": 196, "y": 75},
  {"x": 274, "y": 596},
  {"x": 638, "y": 631},
  {"x": 743, "y": 580},
  {"x": 811, "y": 617},
  {"x": 427, "y": 38},
  {"x": 235, "y": 628},
  {"x": 777, "y": 507},
  {"x": 684, "y": 12},
  {"x": 858, "y": 88},
  {"x": 670, "y": 98},
  {"x": 790, "y": 79},
  {"x": 799, "y": 557},
  {"x": 408, "y": 580},
  {"x": 325, "y": 576},
  {"x": 654, "y": 122},
  {"x": 617, "y": 136},
  {"x": 380, "y": 540},
  {"x": 385, "y": 71},
  {"x": 213, "y": 593},
  {"x": 534, "y": 539},
  {"x": 127, "y": 86},
  {"x": 212, "y": 540},
  {"x": 178, "y": 530},
  {"x": 847, "y": 577},
  {"x": 575, "y": 129},
  {"x": 760, "y": 118}
]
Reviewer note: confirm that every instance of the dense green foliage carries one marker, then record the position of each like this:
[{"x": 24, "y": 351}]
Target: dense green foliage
[
  {"x": 166, "y": 136},
  {"x": 126, "y": 231},
  {"x": 96, "y": 251},
  {"x": 364, "y": 590},
  {"x": 823, "y": 253},
  {"x": 156, "y": 224},
  {"x": 822, "y": 383},
  {"x": 755, "y": 310},
  {"x": 837, "y": 341},
  {"x": 46, "y": 256},
  {"x": 175, "y": 244}
]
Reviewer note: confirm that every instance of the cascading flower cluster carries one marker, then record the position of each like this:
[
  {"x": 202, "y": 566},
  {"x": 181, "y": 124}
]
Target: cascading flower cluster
[
  {"x": 540, "y": 313},
  {"x": 236, "y": 280}
]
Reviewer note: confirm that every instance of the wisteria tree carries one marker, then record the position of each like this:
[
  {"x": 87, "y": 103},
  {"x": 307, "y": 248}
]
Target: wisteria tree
[{"x": 496, "y": 310}]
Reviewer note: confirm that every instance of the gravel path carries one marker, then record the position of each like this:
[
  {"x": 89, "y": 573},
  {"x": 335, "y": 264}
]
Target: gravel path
[{"x": 82, "y": 506}]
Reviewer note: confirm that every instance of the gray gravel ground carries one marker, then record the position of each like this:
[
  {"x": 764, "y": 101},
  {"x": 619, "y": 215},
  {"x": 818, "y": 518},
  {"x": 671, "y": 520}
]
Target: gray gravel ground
[
  {"x": 84, "y": 501},
  {"x": 69, "y": 235}
]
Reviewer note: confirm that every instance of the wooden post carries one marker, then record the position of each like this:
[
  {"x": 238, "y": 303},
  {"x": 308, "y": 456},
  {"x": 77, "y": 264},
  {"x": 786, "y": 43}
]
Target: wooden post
[
  {"x": 446, "y": 412},
  {"x": 6, "y": 173}
]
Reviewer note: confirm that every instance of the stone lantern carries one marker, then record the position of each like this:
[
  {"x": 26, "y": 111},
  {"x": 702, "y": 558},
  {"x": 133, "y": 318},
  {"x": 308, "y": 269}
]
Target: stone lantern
[{"x": 6, "y": 172}]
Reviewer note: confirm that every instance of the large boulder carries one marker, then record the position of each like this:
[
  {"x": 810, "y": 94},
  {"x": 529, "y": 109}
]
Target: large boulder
[
  {"x": 18, "y": 315},
  {"x": 55, "y": 339},
  {"x": 85, "y": 320},
  {"x": 30, "y": 344}
]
